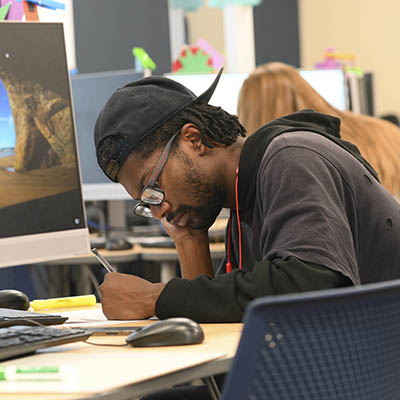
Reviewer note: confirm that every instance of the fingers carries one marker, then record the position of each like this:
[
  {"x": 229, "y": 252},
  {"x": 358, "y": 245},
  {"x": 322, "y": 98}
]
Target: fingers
[{"x": 127, "y": 297}]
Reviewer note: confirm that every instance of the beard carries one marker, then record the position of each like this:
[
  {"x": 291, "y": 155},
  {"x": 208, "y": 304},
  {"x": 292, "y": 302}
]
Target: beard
[
  {"x": 202, "y": 216},
  {"x": 207, "y": 197}
]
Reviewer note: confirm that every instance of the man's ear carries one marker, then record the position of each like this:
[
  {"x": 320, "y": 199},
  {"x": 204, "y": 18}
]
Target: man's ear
[{"x": 190, "y": 134}]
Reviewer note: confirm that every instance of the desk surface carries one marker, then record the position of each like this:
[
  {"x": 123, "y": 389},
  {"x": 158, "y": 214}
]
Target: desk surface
[{"x": 126, "y": 372}]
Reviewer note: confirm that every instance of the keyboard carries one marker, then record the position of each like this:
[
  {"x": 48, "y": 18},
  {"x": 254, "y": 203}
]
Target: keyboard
[
  {"x": 10, "y": 317},
  {"x": 22, "y": 340}
]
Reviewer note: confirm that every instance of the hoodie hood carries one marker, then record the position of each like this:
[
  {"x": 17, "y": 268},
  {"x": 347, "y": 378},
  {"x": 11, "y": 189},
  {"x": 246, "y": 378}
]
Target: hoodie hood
[{"x": 256, "y": 145}]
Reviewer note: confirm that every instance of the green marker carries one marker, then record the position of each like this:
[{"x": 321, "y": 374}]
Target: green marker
[{"x": 46, "y": 373}]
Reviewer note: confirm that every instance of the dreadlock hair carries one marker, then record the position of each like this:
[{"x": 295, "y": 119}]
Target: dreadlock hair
[{"x": 214, "y": 124}]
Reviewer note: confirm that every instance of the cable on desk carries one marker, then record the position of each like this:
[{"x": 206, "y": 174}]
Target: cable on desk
[
  {"x": 106, "y": 344},
  {"x": 20, "y": 321}
]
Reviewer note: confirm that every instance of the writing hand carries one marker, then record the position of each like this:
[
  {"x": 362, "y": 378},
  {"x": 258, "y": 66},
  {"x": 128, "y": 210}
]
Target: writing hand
[{"x": 125, "y": 296}]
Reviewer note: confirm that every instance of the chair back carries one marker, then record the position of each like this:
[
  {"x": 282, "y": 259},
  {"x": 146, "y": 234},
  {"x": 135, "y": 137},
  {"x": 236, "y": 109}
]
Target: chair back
[{"x": 333, "y": 344}]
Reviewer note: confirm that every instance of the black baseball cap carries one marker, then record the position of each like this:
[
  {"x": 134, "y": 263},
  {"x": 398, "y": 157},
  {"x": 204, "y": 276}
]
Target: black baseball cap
[{"x": 138, "y": 109}]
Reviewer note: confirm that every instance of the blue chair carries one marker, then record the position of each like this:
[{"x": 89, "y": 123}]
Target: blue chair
[{"x": 334, "y": 344}]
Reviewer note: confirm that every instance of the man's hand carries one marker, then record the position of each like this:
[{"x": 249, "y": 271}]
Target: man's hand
[
  {"x": 125, "y": 296},
  {"x": 193, "y": 249},
  {"x": 181, "y": 234}
]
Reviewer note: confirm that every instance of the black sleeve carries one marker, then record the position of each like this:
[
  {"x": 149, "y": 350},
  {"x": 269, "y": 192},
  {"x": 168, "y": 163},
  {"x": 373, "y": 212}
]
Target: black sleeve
[{"x": 225, "y": 297}]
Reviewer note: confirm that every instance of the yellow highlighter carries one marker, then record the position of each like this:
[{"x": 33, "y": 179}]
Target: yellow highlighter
[{"x": 61, "y": 302}]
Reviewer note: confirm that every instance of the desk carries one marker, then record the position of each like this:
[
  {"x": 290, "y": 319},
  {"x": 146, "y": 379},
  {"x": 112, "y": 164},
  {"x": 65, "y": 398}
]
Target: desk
[{"x": 111, "y": 373}]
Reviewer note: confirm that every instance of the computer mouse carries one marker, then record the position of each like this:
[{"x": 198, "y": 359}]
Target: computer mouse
[
  {"x": 15, "y": 299},
  {"x": 167, "y": 332},
  {"x": 117, "y": 244}
]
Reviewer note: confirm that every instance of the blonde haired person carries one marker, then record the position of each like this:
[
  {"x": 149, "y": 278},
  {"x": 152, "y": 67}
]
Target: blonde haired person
[{"x": 276, "y": 89}]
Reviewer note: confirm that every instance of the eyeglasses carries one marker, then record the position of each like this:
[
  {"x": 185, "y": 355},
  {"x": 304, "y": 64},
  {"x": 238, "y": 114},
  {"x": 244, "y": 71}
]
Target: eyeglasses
[{"x": 151, "y": 193}]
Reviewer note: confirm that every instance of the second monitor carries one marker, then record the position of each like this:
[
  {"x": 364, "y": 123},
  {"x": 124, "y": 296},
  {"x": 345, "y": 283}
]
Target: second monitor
[
  {"x": 90, "y": 92},
  {"x": 329, "y": 83}
]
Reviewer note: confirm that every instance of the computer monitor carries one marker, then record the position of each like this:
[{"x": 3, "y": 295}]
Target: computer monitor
[
  {"x": 361, "y": 93},
  {"x": 226, "y": 94},
  {"x": 90, "y": 92},
  {"x": 329, "y": 83},
  {"x": 42, "y": 216}
]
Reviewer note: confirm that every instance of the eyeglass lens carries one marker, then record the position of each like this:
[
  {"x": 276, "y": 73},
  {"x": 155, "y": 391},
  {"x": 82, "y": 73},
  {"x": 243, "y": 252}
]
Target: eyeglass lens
[
  {"x": 152, "y": 196},
  {"x": 143, "y": 211}
]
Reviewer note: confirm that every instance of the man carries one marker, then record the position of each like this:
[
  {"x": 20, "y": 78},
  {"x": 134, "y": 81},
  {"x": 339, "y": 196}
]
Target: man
[{"x": 307, "y": 211}]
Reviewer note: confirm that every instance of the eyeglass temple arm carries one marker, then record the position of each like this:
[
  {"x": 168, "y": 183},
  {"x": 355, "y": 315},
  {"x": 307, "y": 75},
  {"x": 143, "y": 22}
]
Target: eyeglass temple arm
[{"x": 161, "y": 162}]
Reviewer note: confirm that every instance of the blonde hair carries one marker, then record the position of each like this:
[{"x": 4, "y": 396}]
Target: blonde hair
[{"x": 276, "y": 89}]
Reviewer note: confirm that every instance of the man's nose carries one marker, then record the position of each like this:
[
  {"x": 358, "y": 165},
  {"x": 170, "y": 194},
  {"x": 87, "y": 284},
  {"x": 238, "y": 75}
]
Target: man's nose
[{"x": 159, "y": 210}]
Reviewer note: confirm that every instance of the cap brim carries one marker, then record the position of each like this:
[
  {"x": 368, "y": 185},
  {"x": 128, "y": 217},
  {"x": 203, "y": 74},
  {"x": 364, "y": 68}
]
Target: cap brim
[{"x": 206, "y": 96}]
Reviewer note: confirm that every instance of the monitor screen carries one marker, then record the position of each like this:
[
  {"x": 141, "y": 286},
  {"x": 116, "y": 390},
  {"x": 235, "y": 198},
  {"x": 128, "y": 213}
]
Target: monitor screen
[
  {"x": 42, "y": 215},
  {"x": 90, "y": 92},
  {"x": 330, "y": 84},
  {"x": 226, "y": 94}
]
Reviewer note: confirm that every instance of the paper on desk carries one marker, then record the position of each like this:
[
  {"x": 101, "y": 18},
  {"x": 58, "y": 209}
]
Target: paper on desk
[{"x": 87, "y": 318}]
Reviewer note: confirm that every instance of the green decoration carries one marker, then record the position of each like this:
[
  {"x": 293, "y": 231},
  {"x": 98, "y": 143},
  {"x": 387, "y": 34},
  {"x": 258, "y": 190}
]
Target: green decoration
[
  {"x": 223, "y": 3},
  {"x": 195, "y": 62},
  {"x": 187, "y": 5},
  {"x": 356, "y": 71},
  {"x": 144, "y": 59},
  {"x": 4, "y": 11}
]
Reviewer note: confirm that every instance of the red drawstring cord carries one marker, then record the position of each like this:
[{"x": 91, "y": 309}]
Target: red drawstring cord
[
  {"x": 238, "y": 219},
  {"x": 229, "y": 264}
]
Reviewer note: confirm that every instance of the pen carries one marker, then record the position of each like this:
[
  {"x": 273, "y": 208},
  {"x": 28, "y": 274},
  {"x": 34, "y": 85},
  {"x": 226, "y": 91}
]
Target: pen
[{"x": 103, "y": 261}]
